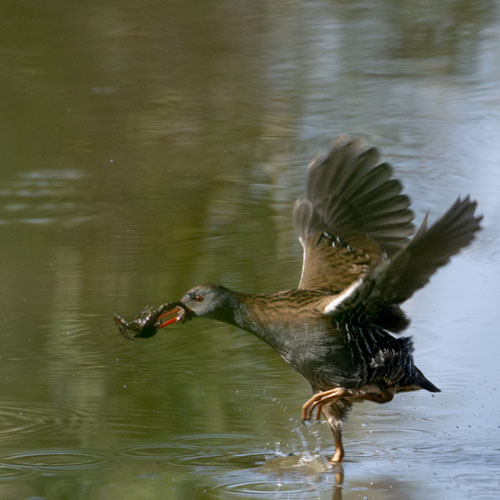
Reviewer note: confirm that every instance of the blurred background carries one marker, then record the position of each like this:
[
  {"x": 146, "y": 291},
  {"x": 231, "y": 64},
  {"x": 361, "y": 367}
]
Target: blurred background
[{"x": 149, "y": 146}]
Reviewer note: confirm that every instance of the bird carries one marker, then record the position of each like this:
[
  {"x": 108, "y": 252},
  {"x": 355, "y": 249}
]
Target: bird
[{"x": 362, "y": 259}]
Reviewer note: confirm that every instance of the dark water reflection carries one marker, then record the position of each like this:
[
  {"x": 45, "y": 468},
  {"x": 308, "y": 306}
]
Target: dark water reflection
[{"x": 149, "y": 146}]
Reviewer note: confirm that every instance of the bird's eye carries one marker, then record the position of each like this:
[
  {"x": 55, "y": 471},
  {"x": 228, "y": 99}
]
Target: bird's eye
[{"x": 198, "y": 298}]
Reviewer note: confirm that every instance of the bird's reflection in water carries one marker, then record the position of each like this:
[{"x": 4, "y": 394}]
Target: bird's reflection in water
[
  {"x": 338, "y": 472},
  {"x": 309, "y": 466}
]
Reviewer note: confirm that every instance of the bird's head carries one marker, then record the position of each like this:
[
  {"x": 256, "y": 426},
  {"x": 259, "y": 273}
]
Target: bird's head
[{"x": 210, "y": 301}]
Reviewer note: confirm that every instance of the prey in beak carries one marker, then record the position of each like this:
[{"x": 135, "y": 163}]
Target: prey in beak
[{"x": 148, "y": 321}]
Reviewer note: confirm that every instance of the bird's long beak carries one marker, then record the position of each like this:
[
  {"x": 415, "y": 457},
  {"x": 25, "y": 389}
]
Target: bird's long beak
[{"x": 175, "y": 315}]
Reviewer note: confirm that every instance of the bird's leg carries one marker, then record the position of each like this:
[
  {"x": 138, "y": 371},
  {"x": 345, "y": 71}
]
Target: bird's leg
[
  {"x": 337, "y": 399},
  {"x": 334, "y": 415},
  {"x": 339, "y": 447}
]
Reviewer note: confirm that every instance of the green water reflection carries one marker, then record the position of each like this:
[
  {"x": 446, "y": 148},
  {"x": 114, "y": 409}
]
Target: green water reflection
[{"x": 150, "y": 146}]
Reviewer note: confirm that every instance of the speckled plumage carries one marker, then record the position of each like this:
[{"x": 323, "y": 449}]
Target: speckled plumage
[
  {"x": 360, "y": 263},
  {"x": 327, "y": 351}
]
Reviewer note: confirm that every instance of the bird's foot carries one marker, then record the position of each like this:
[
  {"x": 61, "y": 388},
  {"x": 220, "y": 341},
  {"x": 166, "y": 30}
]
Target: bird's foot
[{"x": 320, "y": 399}]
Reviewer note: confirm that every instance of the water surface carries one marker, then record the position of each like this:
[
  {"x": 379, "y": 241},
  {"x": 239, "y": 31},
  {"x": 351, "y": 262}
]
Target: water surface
[{"x": 150, "y": 146}]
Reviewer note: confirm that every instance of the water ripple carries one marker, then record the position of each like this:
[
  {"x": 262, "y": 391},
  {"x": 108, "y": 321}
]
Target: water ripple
[
  {"x": 201, "y": 450},
  {"x": 45, "y": 197},
  {"x": 9, "y": 471},
  {"x": 55, "y": 460},
  {"x": 20, "y": 420},
  {"x": 260, "y": 487}
]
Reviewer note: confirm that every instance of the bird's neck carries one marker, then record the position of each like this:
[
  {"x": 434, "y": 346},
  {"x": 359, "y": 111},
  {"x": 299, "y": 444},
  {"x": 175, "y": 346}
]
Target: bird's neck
[
  {"x": 290, "y": 322},
  {"x": 275, "y": 318}
]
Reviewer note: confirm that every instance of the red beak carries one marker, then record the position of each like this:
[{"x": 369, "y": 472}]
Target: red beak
[{"x": 174, "y": 315}]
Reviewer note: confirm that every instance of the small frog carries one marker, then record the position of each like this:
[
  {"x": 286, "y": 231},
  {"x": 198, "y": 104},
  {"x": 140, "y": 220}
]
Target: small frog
[{"x": 149, "y": 320}]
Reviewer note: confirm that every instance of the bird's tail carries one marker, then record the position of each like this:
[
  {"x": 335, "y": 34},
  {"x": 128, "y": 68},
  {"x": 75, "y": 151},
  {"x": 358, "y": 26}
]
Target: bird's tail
[{"x": 423, "y": 382}]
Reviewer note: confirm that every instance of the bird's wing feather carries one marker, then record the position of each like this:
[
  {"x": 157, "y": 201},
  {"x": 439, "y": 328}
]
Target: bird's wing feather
[
  {"x": 354, "y": 214},
  {"x": 397, "y": 278}
]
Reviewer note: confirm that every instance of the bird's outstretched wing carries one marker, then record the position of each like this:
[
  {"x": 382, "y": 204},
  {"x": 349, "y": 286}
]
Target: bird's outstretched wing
[
  {"x": 397, "y": 278},
  {"x": 354, "y": 215}
]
